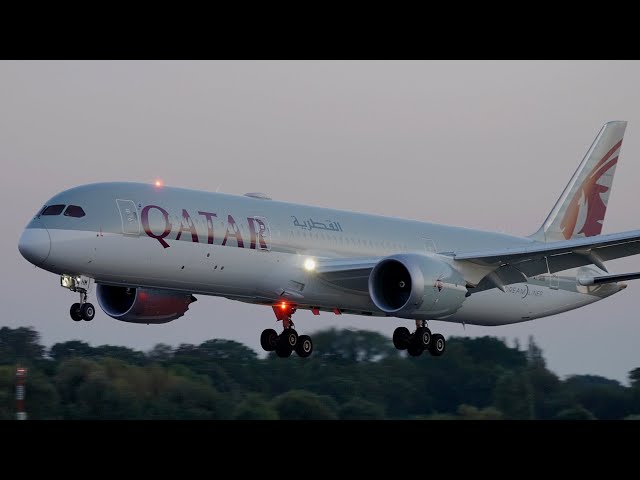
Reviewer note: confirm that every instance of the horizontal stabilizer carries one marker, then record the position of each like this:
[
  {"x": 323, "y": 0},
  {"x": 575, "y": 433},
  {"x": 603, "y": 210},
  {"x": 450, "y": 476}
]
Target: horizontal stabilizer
[{"x": 608, "y": 278}]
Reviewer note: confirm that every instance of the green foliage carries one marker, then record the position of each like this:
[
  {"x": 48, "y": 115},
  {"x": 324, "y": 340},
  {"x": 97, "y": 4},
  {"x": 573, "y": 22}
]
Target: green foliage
[
  {"x": 70, "y": 349},
  {"x": 351, "y": 346},
  {"x": 20, "y": 345},
  {"x": 490, "y": 350},
  {"x": 122, "y": 353},
  {"x": 469, "y": 412},
  {"x": 226, "y": 350},
  {"x": 42, "y": 401},
  {"x": 607, "y": 399},
  {"x": 254, "y": 407},
  {"x": 189, "y": 400},
  {"x": 514, "y": 395},
  {"x": 545, "y": 387},
  {"x": 160, "y": 353},
  {"x": 7, "y": 393},
  {"x": 302, "y": 405},
  {"x": 436, "y": 416},
  {"x": 575, "y": 413},
  {"x": 352, "y": 375},
  {"x": 359, "y": 409}
]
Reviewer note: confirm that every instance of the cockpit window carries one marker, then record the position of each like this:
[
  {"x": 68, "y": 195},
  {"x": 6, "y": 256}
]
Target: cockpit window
[
  {"x": 53, "y": 210},
  {"x": 74, "y": 211}
]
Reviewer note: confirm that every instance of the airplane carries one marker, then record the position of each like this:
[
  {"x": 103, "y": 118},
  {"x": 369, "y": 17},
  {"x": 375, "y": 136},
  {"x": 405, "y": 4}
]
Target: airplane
[{"x": 150, "y": 248}]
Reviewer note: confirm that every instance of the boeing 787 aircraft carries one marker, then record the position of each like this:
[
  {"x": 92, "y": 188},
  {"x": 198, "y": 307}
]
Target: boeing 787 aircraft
[{"x": 149, "y": 248}]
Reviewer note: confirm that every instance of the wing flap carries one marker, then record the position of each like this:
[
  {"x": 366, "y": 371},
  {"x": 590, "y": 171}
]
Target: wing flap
[{"x": 538, "y": 257}]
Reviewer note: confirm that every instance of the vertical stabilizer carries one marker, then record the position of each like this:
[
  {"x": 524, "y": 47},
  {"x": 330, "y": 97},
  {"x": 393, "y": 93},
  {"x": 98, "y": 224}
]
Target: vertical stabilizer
[{"x": 580, "y": 210}]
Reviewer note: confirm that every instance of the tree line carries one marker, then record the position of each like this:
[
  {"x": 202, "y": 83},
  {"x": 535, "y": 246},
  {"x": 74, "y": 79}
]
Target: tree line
[{"x": 351, "y": 375}]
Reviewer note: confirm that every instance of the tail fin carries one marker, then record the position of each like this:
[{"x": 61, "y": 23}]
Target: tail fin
[{"x": 580, "y": 210}]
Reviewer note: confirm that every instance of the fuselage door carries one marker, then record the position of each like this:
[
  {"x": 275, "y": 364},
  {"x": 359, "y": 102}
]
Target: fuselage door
[{"x": 129, "y": 216}]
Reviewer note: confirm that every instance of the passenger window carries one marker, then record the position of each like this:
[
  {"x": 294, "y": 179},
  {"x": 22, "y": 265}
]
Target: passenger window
[
  {"x": 74, "y": 211},
  {"x": 53, "y": 210}
]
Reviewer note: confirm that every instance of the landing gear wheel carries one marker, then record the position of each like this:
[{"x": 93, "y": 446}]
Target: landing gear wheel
[
  {"x": 414, "y": 351},
  {"x": 283, "y": 350},
  {"x": 422, "y": 337},
  {"x": 401, "y": 337},
  {"x": 289, "y": 337},
  {"x": 304, "y": 347},
  {"x": 269, "y": 339},
  {"x": 438, "y": 345},
  {"x": 75, "y": 312},
  {"x": 87, "y": 312}
]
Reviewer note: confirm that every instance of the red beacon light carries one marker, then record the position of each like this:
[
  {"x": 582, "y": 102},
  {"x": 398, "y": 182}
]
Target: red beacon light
[{"x": 158, "y": 183}]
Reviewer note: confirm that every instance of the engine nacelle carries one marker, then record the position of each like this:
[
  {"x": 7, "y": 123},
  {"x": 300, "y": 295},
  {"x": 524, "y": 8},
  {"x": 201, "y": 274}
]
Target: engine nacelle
[
  {"x": 412, "y": 285},
  {"x": 142, "y": 305}
]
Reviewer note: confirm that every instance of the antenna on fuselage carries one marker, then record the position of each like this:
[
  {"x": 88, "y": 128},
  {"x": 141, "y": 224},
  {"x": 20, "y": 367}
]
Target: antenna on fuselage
[{"x": 218, "y": 187}]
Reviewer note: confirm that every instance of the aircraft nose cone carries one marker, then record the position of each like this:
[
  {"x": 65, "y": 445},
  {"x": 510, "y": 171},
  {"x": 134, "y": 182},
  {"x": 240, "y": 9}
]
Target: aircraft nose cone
[{"x": 35, "y": 245}]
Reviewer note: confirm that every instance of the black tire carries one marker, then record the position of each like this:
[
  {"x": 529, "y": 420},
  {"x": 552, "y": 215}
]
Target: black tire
[
  {"x": 438, "y": 345},
  {"x": 401, "y": 338},
  {"x": 283, "y": 350},
  {"x": 74, "y": 311},
  {"x": 87, "y": 312},
  {"x": 414, "y": 351},
  {"x": 422, "y": 337},
  {"x": 269, "y": 339},
  {"x": 304, "y": 347},
  {"x": 288, "y": 337}
]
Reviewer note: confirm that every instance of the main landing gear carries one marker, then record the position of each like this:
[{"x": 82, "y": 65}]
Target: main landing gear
[
  {"x": 83, "y": 310},
  {"x": 289, "y": 340},
  {"x": 417, "y": 342}
]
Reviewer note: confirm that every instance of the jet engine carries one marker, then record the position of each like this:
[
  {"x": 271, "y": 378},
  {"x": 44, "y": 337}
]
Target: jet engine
[
  {"x": 142, "y": 305},
  {"x": 413, "y": 285}
]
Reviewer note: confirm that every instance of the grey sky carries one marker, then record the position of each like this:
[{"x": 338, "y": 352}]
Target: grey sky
[{"x": 483, "y": 144}]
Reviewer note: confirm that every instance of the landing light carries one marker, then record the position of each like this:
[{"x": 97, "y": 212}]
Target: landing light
[
  {"x": 309, "y": 264},
  {"x": 158, "y": 183},
  {"x": 67, "y": 281}
]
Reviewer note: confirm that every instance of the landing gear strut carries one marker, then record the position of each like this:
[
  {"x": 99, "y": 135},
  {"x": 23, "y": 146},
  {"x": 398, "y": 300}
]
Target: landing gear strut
[
  {"x": 288, "y": 341},
  {"x": 83, "y": 310},
  {"x": 417, "y": 342}
]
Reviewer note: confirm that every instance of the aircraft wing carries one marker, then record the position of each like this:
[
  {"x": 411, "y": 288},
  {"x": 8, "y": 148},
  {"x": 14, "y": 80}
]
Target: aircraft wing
[
  {"x": 511, "y": 265},
  {"x": 348, "y": 273},
  {"x": 619, "y": 277},
  {"x": 538, "y": 258}
]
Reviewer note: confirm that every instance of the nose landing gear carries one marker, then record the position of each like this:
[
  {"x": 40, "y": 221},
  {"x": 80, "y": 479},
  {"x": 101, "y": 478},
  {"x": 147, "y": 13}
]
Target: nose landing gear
[{"x": 83, "y": 310}]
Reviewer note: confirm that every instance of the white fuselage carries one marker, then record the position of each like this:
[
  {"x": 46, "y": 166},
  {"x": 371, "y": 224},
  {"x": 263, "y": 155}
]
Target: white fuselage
[{"x": 254, "y": 250}]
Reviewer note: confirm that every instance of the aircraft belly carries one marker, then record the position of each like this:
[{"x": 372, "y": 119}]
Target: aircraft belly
[
  {"x": 265, "y": 276},
  {"x": 209, "y": 269},
  {"x": 318, "y": 293},
  {"x": 521, "y": 302},
  {"x": 116, "y": 258},
  {"x": 286, "y": 278}
]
